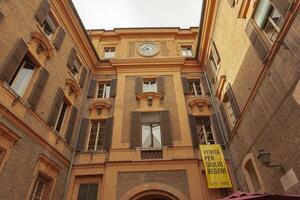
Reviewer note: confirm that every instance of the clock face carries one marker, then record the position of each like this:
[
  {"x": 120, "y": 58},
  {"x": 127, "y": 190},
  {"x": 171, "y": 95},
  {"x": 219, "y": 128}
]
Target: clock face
[{"x": 147, "y": 49}]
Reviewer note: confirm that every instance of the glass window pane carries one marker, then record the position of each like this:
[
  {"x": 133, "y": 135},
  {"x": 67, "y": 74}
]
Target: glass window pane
[
  {"x": 156, "y": 135},
  {"x": 107, "y": 91},
  {"x": 262, "y": 12},
  {"x": 100, "y": 90},
  {"x": 61, "y": 116},
  {"x": 146, "y": 136}
]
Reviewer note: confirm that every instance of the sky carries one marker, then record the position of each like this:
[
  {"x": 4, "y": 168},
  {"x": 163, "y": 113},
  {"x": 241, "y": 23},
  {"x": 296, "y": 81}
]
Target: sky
[{"x": 110, "y": 14}]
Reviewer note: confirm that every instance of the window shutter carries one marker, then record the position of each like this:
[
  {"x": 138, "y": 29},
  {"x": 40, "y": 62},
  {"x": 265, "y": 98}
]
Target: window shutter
[
  {"x": 131, "y": 49},
  {"x": 92, "y": 88},
  {"x": 82, "y": 77},
  {"x": 223, "y": 112},
  {"x": 281, "y": 5},
  {"x": 164, "y": 49},
  {"x": 60, "y": 35},
  {"x": 42, "y": 11},
  {"x": 166, "y": 132},
  {"x": 217, "y": 130},
  {"x": 232, "y": 100},
  {"x": 185, "y": 86},
  {"x": 135, "y": 128},
  {"x": 257, "y": 43},
  {"x": 56, "y": 106},
  {"x": 204, "y": 84},
  {"x": 210, "y": 71},
  {"x": 92, "y": 192},
  {"x": 215, "y": 52},
  {"x": 193, "y": 129},
  {"x": 71, "y": 124},
  {"x": 160, "y": 84},
  {"x": 138, "y": 85},
  {"x": 113, "y": 88},
  {"x": 108, "y": 133},
  {"x": 11, "y": 65},
  {"x": 72, "y": 57},
  {"x": 38, "y": 88},
  {"x": 231, "y": 3},
  {"x": 82, "y": 134}
]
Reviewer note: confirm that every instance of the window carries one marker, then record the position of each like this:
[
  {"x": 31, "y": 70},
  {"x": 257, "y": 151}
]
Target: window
[
  {"x": 151, "y": 130},
  {"x": 109, "y": 52},
  {"x": 150, "y": 85},
  {"x": 88, "y": 191},
  {"x": 75, "y": 68},
  {"x": 268, "y": 19},
  {"x": 41, "y": 188},
  {"x": 49, "y": 26},
  {"x": 230, "y": 113},
  {"x": 104, "y": 90},
  {"x": 61, "y": 116},
  {"x": 96, "y": 138},
  {"x": 22, "y": 76},
  {"x": 194, "y": 87},
  {"x": 204, "y": 130},
  {"x": 186, "y": 51}
]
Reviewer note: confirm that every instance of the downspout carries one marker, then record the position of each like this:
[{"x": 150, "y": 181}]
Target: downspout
[
  {"x": 222, "y": 128},
  {"x": 74, "y": 149}
]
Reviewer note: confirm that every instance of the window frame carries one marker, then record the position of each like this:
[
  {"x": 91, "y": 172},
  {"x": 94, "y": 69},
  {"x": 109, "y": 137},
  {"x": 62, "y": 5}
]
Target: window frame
[
  {"x": 152, "y": 85},
  {"x": 205, "y": 132},
  {"x": 66, "y": 104},
  {"x": 105, "y": 94},
  {"x": 109, "y": 52},
  {"x": 45, "y": 191},
  {"x": 98, "y": 133},
  {"x": 73, "y": 69},
  {"x": 151, "y": 134},
  {"x": 186, "y": 49},
  {"x": 194, "y": 91},
  {"x": 53, "y": 23}
]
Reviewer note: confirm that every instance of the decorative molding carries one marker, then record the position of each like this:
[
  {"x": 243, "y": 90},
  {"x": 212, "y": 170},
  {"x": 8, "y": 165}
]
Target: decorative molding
[
  {"x": 100, "y": 104},
  {"x": 74, "y": 85},
  {"x": 43, "y": 44},
  {"x": 146, "y": 95}
]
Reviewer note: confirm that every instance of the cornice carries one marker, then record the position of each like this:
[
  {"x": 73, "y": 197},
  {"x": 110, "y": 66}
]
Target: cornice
[{"x": 147, "y": 61}]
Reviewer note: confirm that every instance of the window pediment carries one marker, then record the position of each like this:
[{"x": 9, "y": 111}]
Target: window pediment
[
  {"x": 99, "y": 104},
  {"x": 43, "y": 44},
  {"x": 73, "y": 85}
]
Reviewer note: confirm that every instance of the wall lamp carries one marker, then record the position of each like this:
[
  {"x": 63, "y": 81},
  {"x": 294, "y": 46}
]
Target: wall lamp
[{"x": 265, "y": 159}]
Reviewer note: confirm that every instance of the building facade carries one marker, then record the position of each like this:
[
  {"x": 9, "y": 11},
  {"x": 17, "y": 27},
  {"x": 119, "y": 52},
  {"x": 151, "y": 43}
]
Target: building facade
[{"x": 120, "y": 114}]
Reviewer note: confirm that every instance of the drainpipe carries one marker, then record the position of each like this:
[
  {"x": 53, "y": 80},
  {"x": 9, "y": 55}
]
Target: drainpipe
[
  {"x": 222, "y": 127},
  {"x": 74, "y": 149}
]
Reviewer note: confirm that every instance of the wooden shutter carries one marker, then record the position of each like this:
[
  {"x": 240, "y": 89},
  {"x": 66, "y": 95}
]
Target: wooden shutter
[
  {"x": 231, "y": 3},
  {"x": 131, "y": 50},
  {"x": 113, "y": 88},
  {"x": 42, "y": 11},
  {"x": 193, "y": 130},
  {"x": 56, "y": 106},
  {"x": 138, "y": 85},
  {"x": 166, "y": 132},
  {"x": 71, "y": 124},
  {"x": 108, "y": 133},
  {"x": 210, "y": 71},
  {"x": 204, "y": 84},
  {"x": 225, "y": 119},
  {"x": 92, "y": 88},
  {"x": 215, "y": 52},
  {"x": 72, "y": 57},
  {"x": 217, "y": 131},
  {"x": 9, "y": 68},
  {"x": 256, "y": 41},
  {"x": 160, "y": 84},
  {"x": 38, "y": 88},
  {"x": 135, "y": 130},
  {"x": 281, "y": 5},
  {"x": 59, "y": 38},
  {"x": 185, "y": 86},
  {"x": 232, "y": 100},
  {"x": 164, "y": 49},
  {"x": 82, "y": 77},
  {"x": 82, "y": 134}
]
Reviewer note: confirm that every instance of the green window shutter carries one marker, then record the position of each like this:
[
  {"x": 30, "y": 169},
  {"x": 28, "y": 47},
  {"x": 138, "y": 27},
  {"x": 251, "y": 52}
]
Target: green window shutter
[
  {"x": 160, "y": 84},
  {"x": 38, "y": 88},
  {"x": 83, "y": 77},
  {"x": 138, "y": 85},
  {"x": 92, "y": 88},
  {"x": 281, "y": 5},
  {"x": 232, "y": 100},
  {"x": 256, "y": 41},
  {"x": 55, "y": 107},
  {"x": 193, "y": 130},
  {"x": 42, "y": 11},
  {"x": 204, "y": 84},
  {"x": 166, "y": 132},
  {"x": 217, "y": 131},
  {"x": 72, "y": 57},
  {"x": 185, "y": 86},
  {"x": 71, "y": 124},
  {"x": 59, "y": 38},
  {"x": 113, "y": 87},
  {"x": 11, "y": 65},
  {"x": 135, "y": 129},
  {"x": 164, "y": 49},
  {"x": 108, "y": 133},
  {"x": 82, "y": 134}
]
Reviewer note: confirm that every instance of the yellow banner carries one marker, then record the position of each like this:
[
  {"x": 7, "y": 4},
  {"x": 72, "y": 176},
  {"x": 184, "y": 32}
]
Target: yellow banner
[{"x": 215, "y": 166}]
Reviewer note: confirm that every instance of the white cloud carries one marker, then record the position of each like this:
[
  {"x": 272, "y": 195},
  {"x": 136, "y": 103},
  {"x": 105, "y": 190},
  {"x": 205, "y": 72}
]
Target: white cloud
[{"x": 109, "y": 14}]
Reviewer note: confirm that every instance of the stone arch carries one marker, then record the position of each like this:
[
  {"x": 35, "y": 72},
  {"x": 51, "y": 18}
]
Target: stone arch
[{"x": 159, "y": 190}]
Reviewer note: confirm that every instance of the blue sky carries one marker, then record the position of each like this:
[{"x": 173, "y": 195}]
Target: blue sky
[{"x": 109, "y": 14}]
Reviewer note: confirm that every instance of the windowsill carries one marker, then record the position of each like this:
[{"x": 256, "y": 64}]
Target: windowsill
[
  {"x": 93, "y": 152},
  {"x": 147, "y": 95}
]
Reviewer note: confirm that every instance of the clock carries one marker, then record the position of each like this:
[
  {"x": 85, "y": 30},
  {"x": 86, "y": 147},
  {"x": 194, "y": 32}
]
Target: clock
[{"x": 148, "y": 49}]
